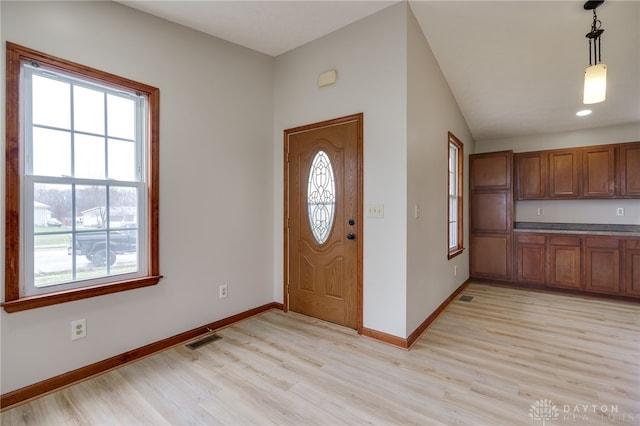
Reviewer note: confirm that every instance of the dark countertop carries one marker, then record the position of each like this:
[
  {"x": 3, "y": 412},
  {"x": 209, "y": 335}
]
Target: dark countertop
[{"x": 578, "y": 228}]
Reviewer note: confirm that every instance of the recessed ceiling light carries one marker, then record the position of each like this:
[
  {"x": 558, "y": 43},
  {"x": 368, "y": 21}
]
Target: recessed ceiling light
[{"x": 583, "y": 112}]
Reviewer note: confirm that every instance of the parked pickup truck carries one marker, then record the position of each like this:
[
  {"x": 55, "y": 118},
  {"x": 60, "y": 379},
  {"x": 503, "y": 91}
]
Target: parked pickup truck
[{"x": 93, "y": 246}]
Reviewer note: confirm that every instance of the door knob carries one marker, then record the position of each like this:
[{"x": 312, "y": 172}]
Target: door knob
[{"x": 351, "y": 236}]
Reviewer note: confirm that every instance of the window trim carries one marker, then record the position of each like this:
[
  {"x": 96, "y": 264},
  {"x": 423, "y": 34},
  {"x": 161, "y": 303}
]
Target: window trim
[
  {"x": 15, "y": 55},
  {"x": 459, "y": 248}
]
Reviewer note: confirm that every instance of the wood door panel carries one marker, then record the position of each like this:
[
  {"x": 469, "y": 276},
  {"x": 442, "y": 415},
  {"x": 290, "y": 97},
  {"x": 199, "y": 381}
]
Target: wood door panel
[
  {"x": 491, "y": 256},
  {"x": 323, "y": 274},
  {"x": 632, "y": 267},
  {"x": 598, "y": 172},
  {"x": 491, "y": 211},
  {"x": 602, "y": 270},
  {"x": 532, "y": 175},
  {"x": 334, "y": 278},
  {"x": 305, "y": 274},
  {"x": 564, "y": 168},
  {"x": 630, "y": 170},
  {"x": 491, "y": 171},
  {"x": 531, "y": 260},
  {"x": 564, "y": 266}
]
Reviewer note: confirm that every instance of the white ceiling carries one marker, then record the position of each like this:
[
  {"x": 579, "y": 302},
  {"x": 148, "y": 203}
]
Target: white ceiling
[{"x": 515, "y": 67}]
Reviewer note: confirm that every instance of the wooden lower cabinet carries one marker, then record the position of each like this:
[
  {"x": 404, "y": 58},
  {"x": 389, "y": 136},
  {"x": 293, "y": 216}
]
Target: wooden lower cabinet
[
  {"x": 491, "y": 256},
  {"x": 632, "y": 267},
  {"x": 530, "y": 258},
  {"x": 564, "y": 261},
  {"x": 603, "y": 256},
  {"x": 594, "y": 264}
]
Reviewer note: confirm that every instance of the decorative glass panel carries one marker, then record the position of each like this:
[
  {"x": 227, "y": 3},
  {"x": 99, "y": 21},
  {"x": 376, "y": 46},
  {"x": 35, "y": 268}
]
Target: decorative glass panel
[{"x": 321, "y": 197}]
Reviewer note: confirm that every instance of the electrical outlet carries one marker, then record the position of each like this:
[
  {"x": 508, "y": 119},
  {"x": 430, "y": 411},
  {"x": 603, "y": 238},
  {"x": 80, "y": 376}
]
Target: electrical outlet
[
  {"x": 78, "y": 329},
  {"x": 223, "y": 291},
  {"x": 540, "y": 211},
  {"x": 375, "y": 210},
  {"x": 455, "y": 270},
  {"x": 620, "y": 211}
]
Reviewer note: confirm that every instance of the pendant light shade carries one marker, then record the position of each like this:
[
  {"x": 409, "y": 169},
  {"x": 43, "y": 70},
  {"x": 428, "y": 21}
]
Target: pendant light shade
[
  {"x": 595, "y": 84},
  {"x": 595, "y": 75}
]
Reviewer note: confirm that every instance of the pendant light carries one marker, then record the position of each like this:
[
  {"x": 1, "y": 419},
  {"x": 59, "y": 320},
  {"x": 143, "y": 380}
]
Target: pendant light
[{"x": 595, "y": 75}]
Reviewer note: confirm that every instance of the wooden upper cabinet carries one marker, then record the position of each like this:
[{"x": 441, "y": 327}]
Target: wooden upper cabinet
[
  {"x": 532, "y": 175},
  {"x": 491, "y": 171},
  {"x": 564, "y": 173},
  {"x": 598, "y": 171},
  {"x": 629, "y": 169}
]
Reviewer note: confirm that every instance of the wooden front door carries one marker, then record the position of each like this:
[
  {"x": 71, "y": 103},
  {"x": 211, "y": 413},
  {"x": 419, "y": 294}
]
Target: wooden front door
[{"x": 323, "y": 241}]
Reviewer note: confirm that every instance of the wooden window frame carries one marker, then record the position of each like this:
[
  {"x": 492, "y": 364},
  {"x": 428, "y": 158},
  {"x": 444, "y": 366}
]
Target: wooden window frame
[
  {"x": 14, "y": 302},
  {"x": 459, "y": 247}
]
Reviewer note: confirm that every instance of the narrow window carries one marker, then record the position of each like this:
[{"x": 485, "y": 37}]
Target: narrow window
[
  {"x": 455, "y": 231},
  {"x": 82, "y": 187}
]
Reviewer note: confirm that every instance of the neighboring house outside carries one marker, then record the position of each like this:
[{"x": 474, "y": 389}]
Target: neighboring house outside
[
  {"x": 118, "y": 216},
  {"x": 41, "y": 213}
]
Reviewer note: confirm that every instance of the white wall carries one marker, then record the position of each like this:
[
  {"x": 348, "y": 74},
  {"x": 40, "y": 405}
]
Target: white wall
[
  {"x": 579, "y": 211},
  {"x": 216, "y": 134},
  {"x": 597, "y": 136},
  {"x": 571, "y": 211},
  {"x": 432, "y": 113},
  {"x": 370, "y": 57}
]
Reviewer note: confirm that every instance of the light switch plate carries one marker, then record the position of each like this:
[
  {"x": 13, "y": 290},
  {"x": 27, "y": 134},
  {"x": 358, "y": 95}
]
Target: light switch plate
[{"x": 375, "y": 210}]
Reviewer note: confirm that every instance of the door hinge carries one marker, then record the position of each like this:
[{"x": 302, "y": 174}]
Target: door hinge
[{"x": 288, "y": 222}]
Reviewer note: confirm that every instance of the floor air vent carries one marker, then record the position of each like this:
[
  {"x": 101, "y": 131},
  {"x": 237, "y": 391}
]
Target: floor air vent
[
  {"x": 205, "y": 340},
  {"x": 466, "y": 298}
]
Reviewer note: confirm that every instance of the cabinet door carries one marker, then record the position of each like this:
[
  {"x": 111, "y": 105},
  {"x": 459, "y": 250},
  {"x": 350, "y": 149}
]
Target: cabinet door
[
  {"x": 598, "y": 171},
  {"x": 564, "y": 262},
  {"x": 629, "y": 170},
  {"x": 530, "y": 258},
  {"x": 491, "y": 256},
  {"x": 632, "y": 267},
  {"x": 491, "y": 171},
  {"x": 491, "y": 211},
  {"x": 564, "y": 173},
  {"x": 532, "y": 172},
  {"x": 602, "y": 264}
]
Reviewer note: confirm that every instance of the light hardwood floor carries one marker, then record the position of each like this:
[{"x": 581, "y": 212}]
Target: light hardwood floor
[{"x": 484, "y": 362}]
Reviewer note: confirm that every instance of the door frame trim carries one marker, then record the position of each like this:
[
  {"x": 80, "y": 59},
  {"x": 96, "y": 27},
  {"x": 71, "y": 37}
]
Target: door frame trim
[{"x": 358, "y": 118}]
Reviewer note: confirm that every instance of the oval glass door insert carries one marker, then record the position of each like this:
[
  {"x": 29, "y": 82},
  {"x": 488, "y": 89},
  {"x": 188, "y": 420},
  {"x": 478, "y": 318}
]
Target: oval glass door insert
[{"x": 321, "y": 197}]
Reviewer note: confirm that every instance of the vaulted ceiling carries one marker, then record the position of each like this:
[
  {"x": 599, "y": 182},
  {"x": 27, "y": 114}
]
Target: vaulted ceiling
[{"x": 515, "y": 67}]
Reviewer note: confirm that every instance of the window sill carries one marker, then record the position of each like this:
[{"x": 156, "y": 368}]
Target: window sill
[
  {"x": 454, "y": 253},
  {"x": 39, "y": 301}
]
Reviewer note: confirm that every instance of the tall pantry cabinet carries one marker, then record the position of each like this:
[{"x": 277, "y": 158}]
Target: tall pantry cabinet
[{"x": 491, "y": 208}]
